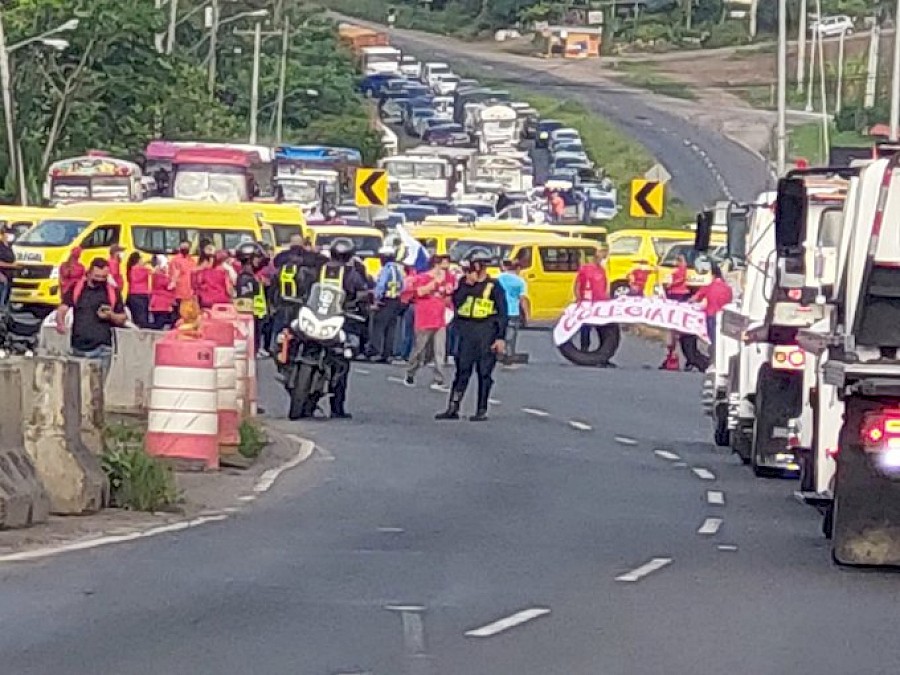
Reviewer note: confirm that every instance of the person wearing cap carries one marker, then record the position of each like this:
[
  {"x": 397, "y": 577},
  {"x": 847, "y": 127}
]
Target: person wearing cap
[
  {"x": 388, "y": 288},
  {"x": 115, "y": 265},
  {"x": 481, "y": 319},
  {"x": 431, "y": 295}
]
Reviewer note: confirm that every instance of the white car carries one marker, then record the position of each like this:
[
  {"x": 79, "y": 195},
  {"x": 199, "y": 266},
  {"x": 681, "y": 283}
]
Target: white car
[
  {"x": 564, "y": 133},
  {"x": 831, "y": 26},
  {"x": 432, "y": 70},
  {"x": 410, "y": 66},
  {"x": 446, "y": 85}
]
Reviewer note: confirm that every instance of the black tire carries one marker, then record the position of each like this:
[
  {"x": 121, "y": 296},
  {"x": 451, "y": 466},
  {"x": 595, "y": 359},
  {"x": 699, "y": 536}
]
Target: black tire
[
  {"x": 722, "y": 434},
  {"x": 740, "y": 445},
  {"x": 828, "y": 521},
  {"x": 778, "y": 398},
  {"x": 300, "y": 398},
  {"x": 590, "y": 358}
]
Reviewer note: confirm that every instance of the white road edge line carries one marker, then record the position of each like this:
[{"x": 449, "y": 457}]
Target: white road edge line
[
  {"x": 705, "y": 474},
  {"x": 362, "y": 371},
  {"x": 665, "y": 454},
  {"x": 395, "y": 380},
  {"x": 268, "y": 478},
  {"x": 639, "y": 573},
  {"x": 710, "y": 526},
  {"x": 715, "y": 497},
  {"x": 494, "y": 401},
  {"x": 536, "y": 412},
  {"x": 505, "y": 624},
  {"x": 581, "y": 426},
  {"x": 625, "y": 440}
]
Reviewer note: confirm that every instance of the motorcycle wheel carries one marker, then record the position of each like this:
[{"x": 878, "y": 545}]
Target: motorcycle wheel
[{"x": 301, "y": 405}]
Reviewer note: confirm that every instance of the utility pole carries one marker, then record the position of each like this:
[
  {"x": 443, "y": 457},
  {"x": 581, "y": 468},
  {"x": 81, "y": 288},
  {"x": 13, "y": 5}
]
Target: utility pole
[
  {"x": 213, "y": 40},
  {"x": 8, "y": 115},
  {"x": 754, "y": 8},
  {"x": 282, "y": 77},
  {"x": 839, "y": 94},
  {"x": 781, "y": 133},
  {"x": 254, "y": 85},
  {"x": 173, "y": 21},
  {"x": 872, "y": 69},
  {"x": 895, "y": 80},
  {"x": 812, "y": 73},
  {"x": 826, "y": 141},
  {"x": 801, "y": 47}
]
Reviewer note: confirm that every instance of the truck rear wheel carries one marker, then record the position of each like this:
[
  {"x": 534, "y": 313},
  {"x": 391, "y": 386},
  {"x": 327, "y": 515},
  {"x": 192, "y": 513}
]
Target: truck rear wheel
[
  {"x": 866, "y": 508},
  {"x": 778, "y": 398},
  {"x": 722, "y": 435}
]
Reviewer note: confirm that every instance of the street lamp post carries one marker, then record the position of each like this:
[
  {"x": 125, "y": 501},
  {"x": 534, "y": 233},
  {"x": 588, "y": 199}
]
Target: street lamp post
[
  {"x": 254, "y": 85},
  {"x": 16, "y": 166},
  {"x": 282, "y": 77},
  {"x": 215, "y": 23}
]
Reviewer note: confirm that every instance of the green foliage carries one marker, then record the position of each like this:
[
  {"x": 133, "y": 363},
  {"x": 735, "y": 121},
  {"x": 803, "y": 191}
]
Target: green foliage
[
  {"x": 137, "y": 481},
  {"x": 728, "y": 34},
  {"x": 253, "y": 439}
]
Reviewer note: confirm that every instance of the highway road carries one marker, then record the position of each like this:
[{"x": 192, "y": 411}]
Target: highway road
[
  {"x": 705, "y": 164},
  {"x": 588, "y": 528}
]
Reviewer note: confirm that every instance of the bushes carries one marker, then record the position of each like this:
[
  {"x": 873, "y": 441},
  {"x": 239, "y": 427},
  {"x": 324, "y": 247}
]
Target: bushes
[
  {"x": 253, "y": 439},
  {"x": 728, "y": 34},
  {"x": 137, "y": 481}
]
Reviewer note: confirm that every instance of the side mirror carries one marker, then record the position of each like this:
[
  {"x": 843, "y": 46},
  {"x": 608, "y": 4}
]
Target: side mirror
[
  {"x": 738, "y": 223},
  {"x": 704, "y": 230},
  {"x": 790, "y": 216},
  {"x": 819, "y": 264}
]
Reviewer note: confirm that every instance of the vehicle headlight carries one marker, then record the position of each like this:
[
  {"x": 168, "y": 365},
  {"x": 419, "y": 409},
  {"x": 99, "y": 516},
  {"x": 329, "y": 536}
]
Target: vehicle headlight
[
  {"x": 543, "y": 135},
  {"x": 327, "y": 332},
  {"x": 342, "y": 336},
  {"x": 54, "y": 273}
]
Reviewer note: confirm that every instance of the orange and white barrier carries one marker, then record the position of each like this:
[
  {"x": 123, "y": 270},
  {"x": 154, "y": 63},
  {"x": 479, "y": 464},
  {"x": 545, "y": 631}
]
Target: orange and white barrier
[
  {"x": 183, "y": 421},
  {"x": 245, "y": 354},
  {"x": 222, "y": 334}
]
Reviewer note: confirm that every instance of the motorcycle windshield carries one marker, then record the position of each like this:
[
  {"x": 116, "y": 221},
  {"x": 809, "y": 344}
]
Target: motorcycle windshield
[{"x": 326, "y": 300}]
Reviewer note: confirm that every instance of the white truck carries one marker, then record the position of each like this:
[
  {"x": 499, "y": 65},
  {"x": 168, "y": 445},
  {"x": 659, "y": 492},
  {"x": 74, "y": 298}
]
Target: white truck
[
  {"x": 496, "y": 127},
  {"x": 777, "y": 366},
  {"x": 863, "y": 365},
  {"x": 381, "y": 59}
]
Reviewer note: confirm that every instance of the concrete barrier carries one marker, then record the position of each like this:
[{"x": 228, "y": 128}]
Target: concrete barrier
[
  {"x": 131, "y": 373},
  {"x": 92, "y": 401},
  {"x": 52, "y": 343},
  {"x": 68, "y": 470},
  {"x": 23, "y": 499}
]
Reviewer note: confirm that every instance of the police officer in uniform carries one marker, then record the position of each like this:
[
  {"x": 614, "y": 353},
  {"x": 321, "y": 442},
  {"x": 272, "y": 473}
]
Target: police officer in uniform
[
  {"x": 296, "y": 269},
  {"x": 340, "y": 271},
  {"x": 481, "y": 319},
  {"x": 248, "y": 289},
  {"x": 387, "y": 295}
]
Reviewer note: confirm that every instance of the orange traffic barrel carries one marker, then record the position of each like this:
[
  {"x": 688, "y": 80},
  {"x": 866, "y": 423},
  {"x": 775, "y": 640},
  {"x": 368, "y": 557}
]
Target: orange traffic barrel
[{"x": 221, "y": 332}]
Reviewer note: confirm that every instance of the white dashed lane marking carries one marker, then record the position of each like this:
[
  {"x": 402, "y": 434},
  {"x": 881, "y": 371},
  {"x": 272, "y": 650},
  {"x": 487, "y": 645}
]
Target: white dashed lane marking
[
  {"x": 665, "y": 454},
  {"x": 710, "y": 526},
  {"x": 536, "y": 412},
  {"x": 639, "y": 573},
  {"x": 715, "y": 497},
  {"x": 625, "y": 440},
  {"x": 705, "y": 474},
  {"x": 730, "y": 548},
  {"x": 505, "y": 624},
  {"x": 581, "y": 426}
]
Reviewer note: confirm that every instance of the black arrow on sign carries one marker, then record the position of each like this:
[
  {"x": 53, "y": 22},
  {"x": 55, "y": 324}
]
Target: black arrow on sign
[
  {"x": 642, "y": 196},
  {"x": 368, "y": 188}
]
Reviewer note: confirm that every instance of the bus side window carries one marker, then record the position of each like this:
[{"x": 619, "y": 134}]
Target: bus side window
[{"x": 102, "y": 237}]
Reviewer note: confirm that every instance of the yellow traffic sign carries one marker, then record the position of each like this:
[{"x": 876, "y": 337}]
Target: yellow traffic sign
[
  {"x": 371, "y": 187},
  {"x": 647, "y": 198}
]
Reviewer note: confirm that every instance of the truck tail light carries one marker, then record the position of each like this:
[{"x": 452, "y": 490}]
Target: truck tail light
[
  {"x": 880, "y": 431},
  {"x": 795, "y": 294},
  {"x": 788, "y": 357}
]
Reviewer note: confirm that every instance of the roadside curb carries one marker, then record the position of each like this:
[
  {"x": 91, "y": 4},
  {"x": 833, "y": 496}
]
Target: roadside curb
[{"x": 305, "y": 450}]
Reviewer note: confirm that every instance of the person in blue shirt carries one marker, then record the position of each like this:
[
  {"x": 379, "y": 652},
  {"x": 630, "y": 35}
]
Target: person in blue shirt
[
  {"x": 514, "y": 287},
  {"x": 389, "y": 307}
]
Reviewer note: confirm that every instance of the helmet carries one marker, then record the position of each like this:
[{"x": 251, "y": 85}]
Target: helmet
[
  {"x": 477, "y": 259},
  {"x": 342, "y": 249},
  {"x": 248, "y": 250}
]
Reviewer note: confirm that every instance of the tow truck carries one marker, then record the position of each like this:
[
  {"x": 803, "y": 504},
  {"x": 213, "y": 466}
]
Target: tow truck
[
  {"x": 776, "y": 397},
  {"x": 862, "y": 363}
]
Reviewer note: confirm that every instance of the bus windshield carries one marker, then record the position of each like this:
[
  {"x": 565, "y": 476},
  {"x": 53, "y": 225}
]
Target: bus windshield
[
  {"x": 284, "y": 232},
  {"x": 53, "y": 232},
  {"x": 462, "y": 248},
  {"x": 199, "y": 185},
  {"x": 366, "y": 245}
]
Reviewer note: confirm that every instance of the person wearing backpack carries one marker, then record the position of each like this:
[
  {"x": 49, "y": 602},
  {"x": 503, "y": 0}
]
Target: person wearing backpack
[{"x": 96, "y": 308}]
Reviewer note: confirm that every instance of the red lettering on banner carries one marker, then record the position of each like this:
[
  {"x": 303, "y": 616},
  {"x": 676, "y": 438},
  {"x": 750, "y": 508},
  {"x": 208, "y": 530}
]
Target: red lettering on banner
[{"x": 634, "y": 311}]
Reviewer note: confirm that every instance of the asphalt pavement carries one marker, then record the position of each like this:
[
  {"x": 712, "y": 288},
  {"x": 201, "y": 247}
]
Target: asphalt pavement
[{"x": 588, "y": 528}]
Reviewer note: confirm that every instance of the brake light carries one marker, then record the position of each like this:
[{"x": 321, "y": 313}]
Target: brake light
[
  {"x": 795, "y": 294},
  {"x": 880, "y": 430},
  {"x": 788, "y": 357},
  {"x": 832, "y": 452}
]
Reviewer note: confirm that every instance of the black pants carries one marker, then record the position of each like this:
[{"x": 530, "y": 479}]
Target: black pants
[
  {"x": 693, "y": 357},
  {"x": 339, "y": 388},
  {"x": 610, "y": 335},
  {"x": 163, "y": 320},
  {"x": 384, "y": 327},
  {"x": 474, "y": 353},
  {"x": 139, "y": 306}
]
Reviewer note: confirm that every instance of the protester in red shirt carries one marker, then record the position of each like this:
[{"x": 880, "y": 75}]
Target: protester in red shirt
[
  {"x": 432, "y": 291},
  {"x": 115, "y": 266},
  {"x": 557, "y": 206},
  {"x": 138, "y": 303},
  {"x": 591, "y": 286},
  {"x": 637, "y": 279},
  {"x": 714, "y": 296},
  {"x": 183, "y": 267},
  {"x": 213, "y": 283},
  {"x": 162, "y": 295},
  {"x": 677, "y": 288},
  {"x": 71, "y": 271}
]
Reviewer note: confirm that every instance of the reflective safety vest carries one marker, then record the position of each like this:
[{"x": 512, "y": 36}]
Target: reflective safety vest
[
  {"x": 478, "y": 308},
  {"x": 325, "y": 279},
  {"x": 259, "y": 303},
  {"x": 395, "y": 285},
  {"x": 287, "y": 280}
]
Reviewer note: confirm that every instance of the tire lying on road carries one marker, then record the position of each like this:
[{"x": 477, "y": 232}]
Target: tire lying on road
[{"x": 572, "y": 352}]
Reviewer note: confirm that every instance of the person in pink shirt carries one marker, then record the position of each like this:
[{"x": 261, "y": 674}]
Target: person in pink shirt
[
  {"x": 714, "y": 296},
  {"x": 182, "y": 268},
  {"x": 213, "y": 282},
  {"x": 138, "y": 274},
  {"x": 115, "y": 266},
  {"x": 162, "y": 295},
  {"x": 432, "y": 291}
]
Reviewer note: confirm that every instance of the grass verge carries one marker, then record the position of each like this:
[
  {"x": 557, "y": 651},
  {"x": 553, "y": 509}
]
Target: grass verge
[
  {"x": 643, "y": 76},
  {"x": 137, "y": 481},
  {"x": 806, "y": 141},
  {"x": 253, "y": 439}
]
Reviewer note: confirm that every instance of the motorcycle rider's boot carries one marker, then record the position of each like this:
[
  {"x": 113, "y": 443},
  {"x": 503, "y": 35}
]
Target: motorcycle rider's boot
[
  {"x": 484, "y": 397},
  {"x": 452, "y": 411}
]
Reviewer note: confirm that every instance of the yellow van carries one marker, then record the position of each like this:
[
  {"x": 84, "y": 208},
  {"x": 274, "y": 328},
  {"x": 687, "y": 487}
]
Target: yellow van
[
  {"x": 366, "y": 240},
  {"x": 592, "y": 232},
  {"x": 438, "y": 239},
  {"x": 285, "y": 220},
  {"x": 695, "y": 280},
  {"x": 548, "y": 263},
  {"x": 627, "y": 248},
  {"x": 20, "y": 219},
  {"x": 148, "y": 227}
]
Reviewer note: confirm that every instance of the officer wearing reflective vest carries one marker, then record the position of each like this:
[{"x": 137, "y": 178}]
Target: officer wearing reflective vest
[
  {"x": 481, "y": 319},
  {"x": 387, "y": 295},
  {"x": 339, "y": 271},
  {"x": 296, "y": 269},
  {"x": 249, "y": 292}
]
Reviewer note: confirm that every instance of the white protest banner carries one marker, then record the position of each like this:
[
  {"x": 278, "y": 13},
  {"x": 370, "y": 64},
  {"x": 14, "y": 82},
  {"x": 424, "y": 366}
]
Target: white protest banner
[{"x": 659, "y": 312}]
